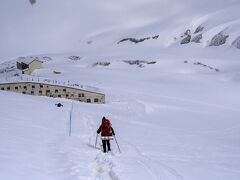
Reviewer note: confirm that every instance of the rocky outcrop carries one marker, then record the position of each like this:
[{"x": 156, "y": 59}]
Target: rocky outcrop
[
  {"x": 135, "y": 40},
  {"x": 197, "y": 38},
  {"x": 74, "y": 58},
  {"x": 186, "y": 40},
  {"x": 198, "y": 29},
  {"x": 236, "y": 43},
  {"x": 218, "y": 39},
  {"x": 101, "y": 64},
  {"x": 139, "y": 63},
  {"x": 155, "y": 37},
  {"x": 206, "y": 66}
]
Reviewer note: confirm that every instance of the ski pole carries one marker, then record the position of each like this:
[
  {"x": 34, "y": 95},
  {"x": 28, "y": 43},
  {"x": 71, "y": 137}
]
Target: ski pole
[
  {"x": 117, "y": 143},
  {"x": 96, "y": 141}
]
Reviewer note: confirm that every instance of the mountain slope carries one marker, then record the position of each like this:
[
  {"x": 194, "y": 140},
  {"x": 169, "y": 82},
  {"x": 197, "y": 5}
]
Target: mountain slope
[{"x": 60, "y": 26}]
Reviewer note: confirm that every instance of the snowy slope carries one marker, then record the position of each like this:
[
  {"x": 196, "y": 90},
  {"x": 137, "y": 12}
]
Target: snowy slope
[
  {"x": 173, "y": 120},
  {"x": 78, "y": 26}
]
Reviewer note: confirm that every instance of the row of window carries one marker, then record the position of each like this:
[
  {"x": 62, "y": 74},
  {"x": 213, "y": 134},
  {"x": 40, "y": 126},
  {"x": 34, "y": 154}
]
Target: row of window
[
  {"x": 88, "y": 100},
  {"x": 47, "y": 91},
  {"x": 56, "y": 91}
]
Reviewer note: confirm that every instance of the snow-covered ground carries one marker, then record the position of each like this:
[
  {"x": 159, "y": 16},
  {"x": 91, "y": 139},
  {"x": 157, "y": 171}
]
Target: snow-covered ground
[{"x": 173, "y": 120}]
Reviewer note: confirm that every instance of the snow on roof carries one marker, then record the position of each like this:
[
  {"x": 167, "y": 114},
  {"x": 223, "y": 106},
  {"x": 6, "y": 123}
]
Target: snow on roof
[
  {"x": 34, "y": 79},
  {"x": 29, "y": 61}
]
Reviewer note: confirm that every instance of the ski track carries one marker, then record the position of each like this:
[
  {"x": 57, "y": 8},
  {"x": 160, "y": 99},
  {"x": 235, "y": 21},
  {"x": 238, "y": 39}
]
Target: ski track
[
  {"x": 103, "y": 164},
  {"x": 145, "y": 161}
]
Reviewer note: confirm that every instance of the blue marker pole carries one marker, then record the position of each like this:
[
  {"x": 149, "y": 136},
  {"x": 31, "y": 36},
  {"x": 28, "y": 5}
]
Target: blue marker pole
[{"x": 70, "y": 120}]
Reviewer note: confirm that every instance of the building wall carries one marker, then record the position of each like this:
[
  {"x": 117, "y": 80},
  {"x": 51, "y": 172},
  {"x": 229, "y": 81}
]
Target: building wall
[
  {"x": 21, "y": 66},
  {"x": 40, "y": 89},
  {"x": 35, "y": 65},
  {"x": 32, "y": 66}
]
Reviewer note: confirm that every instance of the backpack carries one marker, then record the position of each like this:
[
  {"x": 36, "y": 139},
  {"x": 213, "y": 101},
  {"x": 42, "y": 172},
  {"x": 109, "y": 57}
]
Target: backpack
[{"x": 106, "y": 128}]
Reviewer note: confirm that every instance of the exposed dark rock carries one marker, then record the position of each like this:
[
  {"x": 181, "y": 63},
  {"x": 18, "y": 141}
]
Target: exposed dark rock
[
  {"x": 219, "y": 39},
  {"x": 186, "y": 33},
  {"x": 74, "y": 58},
  {"x": 236, "y": 43},
  {"x": 197, "y": 38},
  {"x": 101, "y": 64},
  {"x": 206, "y": 66},
  {"x": 139, "y": 63},
  {"x": 152, "y": 62},
  {"x": 199, "y": 29},
  {"x": 155, "y": 37},
  {"x": 134, "y": 40},
  {"x": 186, "y": 40}
]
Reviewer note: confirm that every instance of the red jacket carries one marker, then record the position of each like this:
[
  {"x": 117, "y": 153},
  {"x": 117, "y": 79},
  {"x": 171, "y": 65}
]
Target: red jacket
[{"x": 106, "y": 128}]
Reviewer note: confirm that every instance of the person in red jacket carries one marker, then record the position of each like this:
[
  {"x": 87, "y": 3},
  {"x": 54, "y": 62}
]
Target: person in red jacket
[{"x": 106, "y": 131}]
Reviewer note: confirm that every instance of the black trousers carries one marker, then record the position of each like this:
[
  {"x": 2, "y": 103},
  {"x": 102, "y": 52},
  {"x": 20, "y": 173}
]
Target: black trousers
[{"x": 106, "y": 143}]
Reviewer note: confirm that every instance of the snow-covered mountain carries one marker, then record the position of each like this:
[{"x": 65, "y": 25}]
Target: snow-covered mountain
[
  {"x": 62, "y": 26},
  {"x": 170, "y": 72}
]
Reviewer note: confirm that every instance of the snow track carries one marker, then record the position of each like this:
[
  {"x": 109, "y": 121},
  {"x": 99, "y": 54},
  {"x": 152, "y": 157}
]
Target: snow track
[
  {"x": 156, "y": 169},
  {"x": 104, "y": 167}
]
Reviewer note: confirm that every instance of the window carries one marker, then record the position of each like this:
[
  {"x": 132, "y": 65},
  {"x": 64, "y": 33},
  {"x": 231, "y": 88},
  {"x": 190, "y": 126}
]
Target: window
[
  {"x": 47, "y": 91},
  {"x": 59, "y": 96},
  {"x": 41, "y": 86},
  {"x": 24, "y": 92},
  {"x": 2, "y": 88},
  {"x": 96, "y": 100},
  {"x": 56, "y": 91},
  {"x": 81, "y": 95},
  {"x": 16, "y": 88},
  {"x": 8, "y": 88},
  {"x": 88, "y": 100},
  {"x": 32, "y": 92},
  {"x": 25, "y": 87},
  {"x": 64, "y": 90},
  {"x": 67, "y": 95},
  {"x": 40, "y": 92},
  {"x": 33, "y": 86}
]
